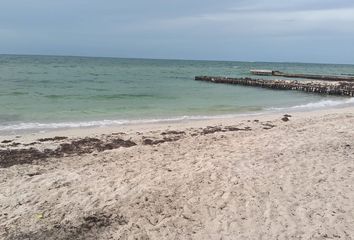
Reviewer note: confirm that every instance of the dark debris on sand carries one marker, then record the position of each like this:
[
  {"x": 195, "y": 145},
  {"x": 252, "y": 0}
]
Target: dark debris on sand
[
  {"x": 87, "y": 227},
  {"x": 10, "y": 157},
  {"x": 148, "y": 141},
  {"x": 286, "y": 118},
  {"x": 210, "y": 129},
  {"x": 57, "y": 138},
  {"x": 175, "y": 135},
  {"x": 172, "y": 132},
  {"x": 268, "y": 126}
]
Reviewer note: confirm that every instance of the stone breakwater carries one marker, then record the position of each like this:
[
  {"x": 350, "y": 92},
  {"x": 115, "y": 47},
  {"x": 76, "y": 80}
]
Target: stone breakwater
[
  {"x": 321, "y": 87},
  {"x": 303, "y": 75}
]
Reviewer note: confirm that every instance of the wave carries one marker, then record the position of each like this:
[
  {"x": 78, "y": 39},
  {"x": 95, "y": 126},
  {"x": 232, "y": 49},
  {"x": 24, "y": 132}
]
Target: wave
[
  {"x": 318, "y": 105},
  {"x": 36, "y": 125},
  {"x": 103, "y": 123},
  {"x": 14, "y": 94}
]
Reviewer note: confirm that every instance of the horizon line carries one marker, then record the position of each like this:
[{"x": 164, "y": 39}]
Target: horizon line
[{"x": 171, "y": 59}]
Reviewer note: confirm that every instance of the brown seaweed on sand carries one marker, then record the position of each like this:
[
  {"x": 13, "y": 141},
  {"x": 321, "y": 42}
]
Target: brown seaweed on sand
[{"x": 10, "y": 157}]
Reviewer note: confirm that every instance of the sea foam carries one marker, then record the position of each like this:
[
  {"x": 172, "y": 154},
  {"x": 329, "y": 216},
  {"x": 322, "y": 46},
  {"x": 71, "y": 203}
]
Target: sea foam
[
  {"x": 318, "y": 105},
  {"x": 104, "y": 123}
]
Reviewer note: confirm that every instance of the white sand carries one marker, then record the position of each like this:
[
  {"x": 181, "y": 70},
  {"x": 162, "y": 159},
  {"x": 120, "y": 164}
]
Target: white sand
[{"x": 292, "y": 181}]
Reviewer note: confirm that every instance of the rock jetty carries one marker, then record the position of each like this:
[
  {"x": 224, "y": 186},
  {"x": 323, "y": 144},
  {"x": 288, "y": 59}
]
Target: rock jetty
[
  {"x": 303, "y": 75},
  {"x": 339, "y": 88}
]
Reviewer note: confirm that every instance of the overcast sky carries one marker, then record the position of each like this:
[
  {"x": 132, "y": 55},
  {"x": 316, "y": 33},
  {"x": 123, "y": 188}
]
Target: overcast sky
[{"x": 245, "y": 30}]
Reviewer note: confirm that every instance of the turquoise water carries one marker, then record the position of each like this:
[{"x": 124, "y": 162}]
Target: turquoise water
[{"x": 49, "y": 92}]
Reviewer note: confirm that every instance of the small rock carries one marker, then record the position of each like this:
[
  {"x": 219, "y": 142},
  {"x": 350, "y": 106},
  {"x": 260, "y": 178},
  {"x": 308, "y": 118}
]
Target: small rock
[
  {"x": 33, "y": 174},
  {"x": 285, "y": 119}
]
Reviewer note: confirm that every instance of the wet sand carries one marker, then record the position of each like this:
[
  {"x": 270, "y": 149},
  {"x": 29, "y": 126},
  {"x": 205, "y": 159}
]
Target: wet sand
[{"x": 259, "y": 177}]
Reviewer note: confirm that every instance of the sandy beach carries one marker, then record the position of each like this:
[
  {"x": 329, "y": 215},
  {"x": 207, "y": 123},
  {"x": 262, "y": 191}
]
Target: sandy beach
[{"x": 257, "y": 177}]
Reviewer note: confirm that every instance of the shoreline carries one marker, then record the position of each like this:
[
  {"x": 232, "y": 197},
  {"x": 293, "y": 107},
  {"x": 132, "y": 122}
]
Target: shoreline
[{"x": 77, "y": 132}]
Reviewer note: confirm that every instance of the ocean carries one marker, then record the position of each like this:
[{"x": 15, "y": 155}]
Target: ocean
[{"x": 39, "y": 93}]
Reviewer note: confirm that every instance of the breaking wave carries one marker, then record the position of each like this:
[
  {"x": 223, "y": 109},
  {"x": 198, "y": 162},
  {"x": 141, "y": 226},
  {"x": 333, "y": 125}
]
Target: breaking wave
[
  {"x": 319, "y": 105},
  {"x": 103, "y": 123},
  {"x": 65, "y": 125}
]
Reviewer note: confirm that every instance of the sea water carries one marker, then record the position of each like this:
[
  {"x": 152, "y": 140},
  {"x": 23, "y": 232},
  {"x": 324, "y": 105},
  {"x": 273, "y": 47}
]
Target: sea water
[{"x": 46, "y": 92}]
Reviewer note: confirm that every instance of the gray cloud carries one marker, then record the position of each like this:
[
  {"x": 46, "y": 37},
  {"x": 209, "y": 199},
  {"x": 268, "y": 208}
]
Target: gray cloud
[{"x": 274, "y": 30}]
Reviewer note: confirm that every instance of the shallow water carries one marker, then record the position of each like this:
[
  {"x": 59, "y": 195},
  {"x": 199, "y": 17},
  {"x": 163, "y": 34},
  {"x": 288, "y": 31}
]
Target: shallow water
[{"x": 41, "y": 92}]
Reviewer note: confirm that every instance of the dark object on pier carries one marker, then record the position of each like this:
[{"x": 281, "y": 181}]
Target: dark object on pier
[
  {"x": 300, "y": 75},
  {"x": 332, "y": 88}
]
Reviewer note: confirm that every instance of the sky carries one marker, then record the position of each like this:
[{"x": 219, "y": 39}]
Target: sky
[{"x": 242, "y": 30}]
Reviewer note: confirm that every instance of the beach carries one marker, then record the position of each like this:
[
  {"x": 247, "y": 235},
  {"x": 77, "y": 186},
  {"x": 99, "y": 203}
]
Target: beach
[
  {"x": 273, "y": 176},
  {"x": 176, "y": 120}
]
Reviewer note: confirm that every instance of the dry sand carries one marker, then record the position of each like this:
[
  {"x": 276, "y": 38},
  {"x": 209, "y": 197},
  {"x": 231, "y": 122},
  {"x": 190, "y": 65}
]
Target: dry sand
[{"x": 236, "y": 179}]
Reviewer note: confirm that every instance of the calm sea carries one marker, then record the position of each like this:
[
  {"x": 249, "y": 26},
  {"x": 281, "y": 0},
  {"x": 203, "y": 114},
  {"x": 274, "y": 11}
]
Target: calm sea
[{"x": 45, "y": 92}]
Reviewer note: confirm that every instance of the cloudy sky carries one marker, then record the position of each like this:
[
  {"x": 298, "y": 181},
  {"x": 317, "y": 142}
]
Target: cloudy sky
[{"x": 246, "y": 30}]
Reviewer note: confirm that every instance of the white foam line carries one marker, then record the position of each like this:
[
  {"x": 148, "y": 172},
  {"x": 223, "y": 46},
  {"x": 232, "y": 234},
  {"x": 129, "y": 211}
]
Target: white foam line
[
  {"x": 318, "y": 105},
  {"x": 36, "y": 125},
  {"x": 103, "y": 123}
]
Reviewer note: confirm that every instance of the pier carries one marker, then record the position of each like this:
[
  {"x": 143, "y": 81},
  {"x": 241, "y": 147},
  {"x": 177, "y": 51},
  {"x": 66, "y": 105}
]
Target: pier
[
  {"x": 301, "y": 75},
  {"x": 338, "y": 88}
]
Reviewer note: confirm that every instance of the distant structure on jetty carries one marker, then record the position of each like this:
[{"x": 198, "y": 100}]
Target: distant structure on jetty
[
  {"x": 339, "y": 88},
  {"x": 300, "y": 75}
]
